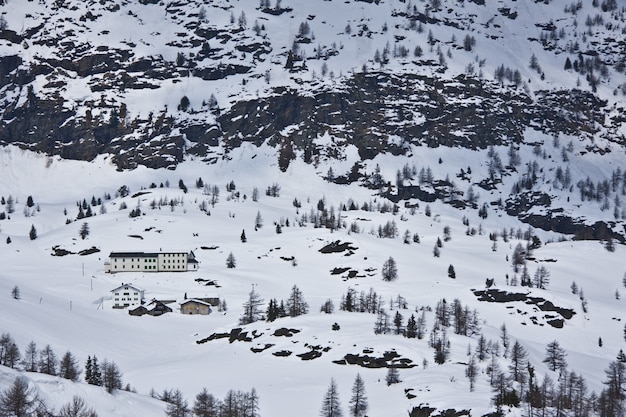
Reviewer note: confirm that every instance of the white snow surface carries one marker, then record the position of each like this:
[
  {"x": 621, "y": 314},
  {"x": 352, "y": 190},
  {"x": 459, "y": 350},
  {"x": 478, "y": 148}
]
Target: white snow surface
[{"x": 66, "y": 300}]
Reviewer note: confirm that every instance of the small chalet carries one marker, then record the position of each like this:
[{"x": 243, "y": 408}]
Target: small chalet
[
  {"x": 127, "y": 295},
  {"x": 151, "y": 262},
  {"x": 157, "y": 308},
  {"x": 201, "y": 306}
]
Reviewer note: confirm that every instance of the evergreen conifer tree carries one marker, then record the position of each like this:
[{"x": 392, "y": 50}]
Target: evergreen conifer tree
[
  {"x": 33, "y": 232},
  {"x": 411, "y": 327},
  {"x": 68, "y": 367},
  {"x": 393, "y": 376},
  {"x": 206, "y": 405},
  {"x": 358, "y": 402},
  {"x": 330, "y": 404}
]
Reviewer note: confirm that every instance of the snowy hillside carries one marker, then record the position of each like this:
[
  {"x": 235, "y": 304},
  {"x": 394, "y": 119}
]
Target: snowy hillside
[
  {"x": 442, "y": 182},
  {"x": 152, "y": 82},
  {"x": 65, "y": 301}
]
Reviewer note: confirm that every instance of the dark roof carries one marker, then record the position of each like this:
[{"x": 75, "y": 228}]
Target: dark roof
[
  {"x": 139, "y": 311},
  {"x": 142, "y": 254},
  {"x": 126, "y": 285},
  {"x": 214, "y": 301},
  {"x": 137, "y": 254}
]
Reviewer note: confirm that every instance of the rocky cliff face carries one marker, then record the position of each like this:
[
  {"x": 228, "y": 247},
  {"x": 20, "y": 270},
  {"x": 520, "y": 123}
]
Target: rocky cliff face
[
  {"x": 376, "y": 112},
  {"x": 152, "y": 82}
]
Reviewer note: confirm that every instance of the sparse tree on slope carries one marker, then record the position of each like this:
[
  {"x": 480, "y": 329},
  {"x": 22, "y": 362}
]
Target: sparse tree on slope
[
  {"x": 230, "y": 261},
  {"x": 258, "y": 221},
  {"x": 411, "y": 327},
  {"x": 84, "y": 231},
  {"x": 421, "y": 325},
  {"x": 555, "y": 356},
  {"x": 393, "y": 376},
  {"x": 15, "y": 293},
  {"x": 398, "y": 322},
  {"x": 471, "y": 372},
  {"x": 612, "y": 397},
  {"x": 330, "y": 403},
  {"x": 111, "y": 376},
  {"x": 18, "y": 400},
  {"x": 358, "y": 402},
  {"x": 451, "y": 272},
  {"x": 77, "y": 408},
  {"x": 29, "y": 362},
  {"x": 518, "y": 258},
  {"x": 68, "y": 367},
  {"x": 542, "y": 277},
  {"x": 177, "y": 406},
  {"x": 47, "y": 361},
  {"x": 9, "y": 351},
  {"x": 296, "y": 305},
  {"x": 252, "y": 308},
  {"x": 518, "y": 362},
  {"x": 390, "y": 270},
  {"x": 206, "y": 405},
  {"x": 33, "y": 232},
  {"x": 93, "y": 376}
]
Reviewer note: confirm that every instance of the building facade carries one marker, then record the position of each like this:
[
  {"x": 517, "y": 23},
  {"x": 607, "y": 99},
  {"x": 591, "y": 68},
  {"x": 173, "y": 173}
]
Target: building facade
[
  {"x": 194, "y": 306},
  {"x": 151, "y": 262},
  {"x": 126, "y": 295}
]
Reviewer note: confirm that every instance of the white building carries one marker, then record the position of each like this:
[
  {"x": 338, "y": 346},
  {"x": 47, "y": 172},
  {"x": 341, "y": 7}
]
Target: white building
[
  {"x": 151, "y": 262},
  {"x": 127, "y": 295}
]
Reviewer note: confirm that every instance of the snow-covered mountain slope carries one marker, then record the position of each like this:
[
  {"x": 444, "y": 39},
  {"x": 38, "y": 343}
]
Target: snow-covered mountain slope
[
  {"x": 153, "y": 81},
  {"x": 380, "y": 126},
  {"x": 337, "y": 84},
  {"x": 65, "y": 301}
]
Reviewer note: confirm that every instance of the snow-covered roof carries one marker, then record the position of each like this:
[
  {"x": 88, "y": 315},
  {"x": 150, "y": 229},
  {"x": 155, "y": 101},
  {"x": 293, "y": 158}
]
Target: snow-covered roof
[
  {"x": 196, "y": 301},
  {"x": 126, "y": 286}
]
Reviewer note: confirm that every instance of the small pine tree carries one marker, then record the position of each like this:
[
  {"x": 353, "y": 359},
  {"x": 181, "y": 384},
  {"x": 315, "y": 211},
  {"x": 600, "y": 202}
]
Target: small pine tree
[
  {"x": 206, "y": 405},
  {"x": 84, "y": 231},
  {"x": 393, "y": 376},
  {"x": 555, "y": 356},
  {"x": 111, "y": 376},
  {"x": 258, "y": 221},
  {"x": 243, "y": 237},
  {"x": 76, "y": 408},
  {"x": 390, "y": 270},
  {"x": 18, "y": 399},
  {"x": 93, "y": 375},
  {"x": 29, "y": 361},
  {"x": 68, "y": 367},
  {"x": 358, "y": 402},
  {"x": 252, "y": 308},
  {"x": 33, "y": 233},
  {"x": 182, "y": 185},
  {"x": 230, "y": 261},
  {"x": 15, "y": 293},
  {"x": 330, "y": 404},
  {"x": 328, "y": 307},
  {"x": 471, "y": 372},
  {"x": 177, "y": 406},
  {"x": 88, "y": 369},
  {"x": 411, "y": 327},
  {"x": 451, "y": 272},
  {"x": 47, "y": 361}
]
